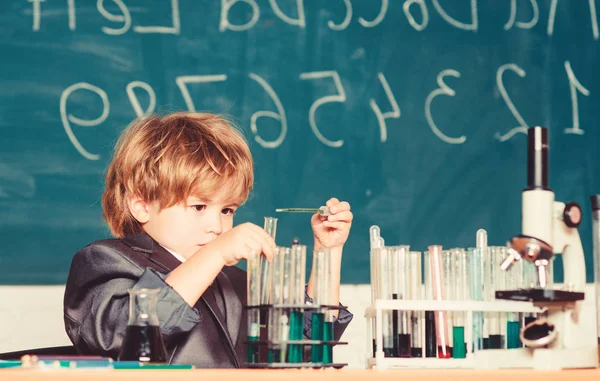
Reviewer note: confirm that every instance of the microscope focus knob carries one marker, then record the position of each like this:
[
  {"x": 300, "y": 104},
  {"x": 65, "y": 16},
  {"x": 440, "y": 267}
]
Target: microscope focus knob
[{"x": 572, "y": 214}]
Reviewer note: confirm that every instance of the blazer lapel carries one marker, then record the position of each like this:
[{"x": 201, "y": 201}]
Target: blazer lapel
[{"x": 233, "y": 306}]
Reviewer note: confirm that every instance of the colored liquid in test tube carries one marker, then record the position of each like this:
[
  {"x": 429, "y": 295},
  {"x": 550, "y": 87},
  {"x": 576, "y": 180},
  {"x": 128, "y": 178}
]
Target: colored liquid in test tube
[
  {"x": 416, "y": 293},
  {"x": 461, "y": 293},
  {"x": 430, "y": 338},
  {"x": 514, "y": 281},
  {"x": 253, "y": 299},
  {"x": 374, "y": 235},
  {"x": 496, "y": 322},
  {"x": 394, "y": 266},
  {"x": 274, "y": 334},
  {"x": 327, "y": 299},
  {"x": 298, "y": 277},
  {"x": 439, "y": 293},
  {"x": 404, "y": 336},
  {"x": 320, "y": 257},
  {"x": 270, "y": 227},
  {"x": 284, "y": 319},
  {"x": 385, "y": 292}
]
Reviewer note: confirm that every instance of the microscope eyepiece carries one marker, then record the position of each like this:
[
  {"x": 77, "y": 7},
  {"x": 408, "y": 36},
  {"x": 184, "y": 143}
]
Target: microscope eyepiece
[{"x": 537, "y": 158}]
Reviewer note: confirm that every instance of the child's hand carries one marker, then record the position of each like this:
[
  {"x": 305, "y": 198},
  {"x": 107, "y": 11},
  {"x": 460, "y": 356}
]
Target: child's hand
[
  {"x": 237, "y": 243},
  {"x": 332, "y": 231}
]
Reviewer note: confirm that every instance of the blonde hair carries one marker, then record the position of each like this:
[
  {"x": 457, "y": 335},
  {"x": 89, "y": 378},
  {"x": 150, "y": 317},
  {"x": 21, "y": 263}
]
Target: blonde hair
[{"x": 167, "y": 159}]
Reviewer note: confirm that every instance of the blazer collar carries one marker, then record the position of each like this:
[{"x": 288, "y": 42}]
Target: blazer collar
[{"x": 157, "y": 254}]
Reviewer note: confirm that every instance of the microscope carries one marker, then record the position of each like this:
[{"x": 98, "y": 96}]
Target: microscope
[{"x": 564, "y": 336}]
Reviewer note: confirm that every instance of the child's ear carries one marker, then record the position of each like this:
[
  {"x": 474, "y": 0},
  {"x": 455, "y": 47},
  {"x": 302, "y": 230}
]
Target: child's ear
[{"x": 139, "y": 209}]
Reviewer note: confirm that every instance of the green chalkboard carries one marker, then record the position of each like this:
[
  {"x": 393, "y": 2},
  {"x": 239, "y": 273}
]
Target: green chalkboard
[{"x": 413, "y": 111}]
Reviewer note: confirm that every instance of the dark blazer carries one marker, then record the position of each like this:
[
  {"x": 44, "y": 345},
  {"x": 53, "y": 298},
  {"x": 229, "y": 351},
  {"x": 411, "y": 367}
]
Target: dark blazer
[{"x": 96, "y": 304}]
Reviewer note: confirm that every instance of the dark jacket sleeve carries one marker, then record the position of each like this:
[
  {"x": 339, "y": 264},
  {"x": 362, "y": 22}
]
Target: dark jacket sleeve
[
  {"x": 96, "y": 302},
  {"x": 339, "y": 325}
]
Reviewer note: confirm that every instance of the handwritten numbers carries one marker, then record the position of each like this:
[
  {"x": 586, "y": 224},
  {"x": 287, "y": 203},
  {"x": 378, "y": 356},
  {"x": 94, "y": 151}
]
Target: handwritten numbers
[
  {"x": 575, "y": 86},
  {"x": 511, "y": 106},
  {"x": 71, "y": 11},
  {"x": 445, "y": 90},
  {"x": 279, "y": 115},
  {"x": 340, "y": 97},
  {"x": 125, "y": 18},
  {"x": 594, "y": 18},
  {"x": 135, "y": 103},
  {"x": 381, "y": 117},
  {"x": 67, "y": 119},
  {"x": 182, "y": 82}
]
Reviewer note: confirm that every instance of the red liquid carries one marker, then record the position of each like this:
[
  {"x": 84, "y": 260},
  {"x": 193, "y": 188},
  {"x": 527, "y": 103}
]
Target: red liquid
[
  {"x": 144, "y": 344},
  {"x": 444, "y": 353}
]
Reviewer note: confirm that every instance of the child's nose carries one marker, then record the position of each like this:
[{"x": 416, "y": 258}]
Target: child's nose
[{"x": 214, "y": 225}]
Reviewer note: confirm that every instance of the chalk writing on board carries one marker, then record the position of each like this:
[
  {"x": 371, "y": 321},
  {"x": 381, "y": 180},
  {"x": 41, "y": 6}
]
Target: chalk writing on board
[
  {"x": 279, "y": 115},
  {"x": 522, "y": 128},
  {"x": 575, "y": 86},
  {"x": 300, "y": 21},
  {"x": 445, "y": 90},
  {"x": 135, "y": 103},
  {"x": 381, "y": 117}
]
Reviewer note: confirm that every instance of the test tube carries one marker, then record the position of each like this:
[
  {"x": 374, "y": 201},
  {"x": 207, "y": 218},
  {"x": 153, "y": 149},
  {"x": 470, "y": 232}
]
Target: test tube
[
  {"x": 374, "y": 235},
  {"x": 327, "y": 299},
  {"x": 284, "y": 319},
  {"x": 298, "y": 277},
  {"x": 265, "y": 269},
  {"x": 394, "y": 263},
  {"x": 430, "y": 339},
  {"x": 385, "y": 292},
  {"x": 448, "y": 287},
  {"x": 477, "y": 285},
  {"x": 461, "y": 292},
  {"x": 513, "y": 281},
  {"x": 494, "y": 278},
  {"x": 415, "y": 293},
  {"x": 437, "y": 280},
  {"x": 253, "y": 299},
  {"x": 320, "y": 257},
  {"x": 274, "y": 334},
  {"x": 403, "y": 338}
]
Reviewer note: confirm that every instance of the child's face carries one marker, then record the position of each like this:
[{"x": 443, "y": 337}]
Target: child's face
[{"x": 186, "y": 227}]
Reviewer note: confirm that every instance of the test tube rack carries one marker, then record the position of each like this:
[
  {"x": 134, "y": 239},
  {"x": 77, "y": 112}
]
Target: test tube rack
[
  {"x": 481, "y": 359},
  {"x": 305, "y": 344}
]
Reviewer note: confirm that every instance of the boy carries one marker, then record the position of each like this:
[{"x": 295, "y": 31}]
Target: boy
[{"x": 171, "y": 191}]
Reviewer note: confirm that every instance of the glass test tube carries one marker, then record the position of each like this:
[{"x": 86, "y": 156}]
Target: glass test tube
[
  {"x": 327, "y": 299},
  {"x": 595, "y": 200},
  {"x": 385, "y": 292},
  {"x": 374, "y": 235},
  {"x": 476, "y": 284},
  {"x": 274, "y": 334},
  {"x": 448, "y": 287},
  {"x": 298, "y": 277},
  {"x": 265, "y": 269},
  {"x": 495, "y": 279},
  {"x": 416, "y": 293},
  {"x": 394, "y": 269},
  {"x": 320, "y": 258},
  {"x": 513, "y": 281},
  {"x": 284, "y": 318},
  {"x": 461, "y": 292},
  {"x": 403, "y": 338},
  {"x": 439, "y": 294},
  {"x": 430, "y": 339},
  {"x": 253, "y": 299}
]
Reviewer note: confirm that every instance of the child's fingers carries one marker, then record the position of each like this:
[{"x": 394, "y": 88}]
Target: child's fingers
[
  {"x": 336, "y": 225},
  {"x": 345, "y": 216},
  {"x": 339, "y": 207},
  {"x": 332, "y": 201}
]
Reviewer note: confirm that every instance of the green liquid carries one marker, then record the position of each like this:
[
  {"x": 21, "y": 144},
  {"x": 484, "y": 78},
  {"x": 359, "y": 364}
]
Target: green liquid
[
  {"x": 252, "y": 350},
  {"x": 512, "y": 335},
  {"x": 459, "y": 350},
  {"x": 274, "y": 355},
  {"x": 316, "y": 350},
  {"x": 327, "y": 348},
  {"x": 296, "y": 326}
]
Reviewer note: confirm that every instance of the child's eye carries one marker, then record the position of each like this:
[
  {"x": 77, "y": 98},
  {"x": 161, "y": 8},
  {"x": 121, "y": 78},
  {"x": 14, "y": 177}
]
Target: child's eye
[
  {"x": 199, "y": 208},
  {"x": 228, "y": 211}
]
